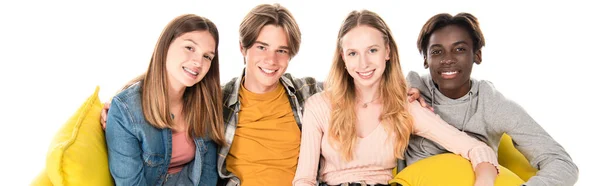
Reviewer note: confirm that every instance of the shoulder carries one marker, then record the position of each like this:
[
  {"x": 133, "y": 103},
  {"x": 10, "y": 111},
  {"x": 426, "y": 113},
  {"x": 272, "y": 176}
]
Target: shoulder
[
  {"x": 414, "y": 80},
  {"x": 130, "y": 96},
  {"x": 317, "y": 110},
  {"x": 306, "y": 84},
  {"x": 318, "y": 103},
  {"x": 488, "y": 93},
  {"x": 128, "y": 103},
  {"x": 229, "y": 86}
]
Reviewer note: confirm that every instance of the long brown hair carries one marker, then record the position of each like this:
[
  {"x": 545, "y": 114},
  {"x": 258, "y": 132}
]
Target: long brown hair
[
  {"x": 392, "y": 89},
  {"x": 201, "y": 102}
]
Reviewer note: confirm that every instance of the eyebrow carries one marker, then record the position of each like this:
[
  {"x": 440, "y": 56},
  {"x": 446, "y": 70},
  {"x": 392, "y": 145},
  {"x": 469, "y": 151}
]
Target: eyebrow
[
  {"x": 211, "y": 52},
  {"x": 375, "y": 45},
  {"x": 453, "y": 44},
  {"x": 280, "y": 47},
  {"x": 191, "y": 41}
]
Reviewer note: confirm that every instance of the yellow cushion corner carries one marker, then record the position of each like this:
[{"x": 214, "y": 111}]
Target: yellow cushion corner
[
  {"x": 512, "y": 159},
  {"x": 78, "y": 153},
  {"x": 41, "y": 179}
]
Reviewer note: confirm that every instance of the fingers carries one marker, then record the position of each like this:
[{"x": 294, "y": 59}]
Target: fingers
[
  {"x": 104, "y": 114},
  {"x": 411, "y": 97},
  {"x": 424, "y": 104},
  {"x": 413, "y": 94}
]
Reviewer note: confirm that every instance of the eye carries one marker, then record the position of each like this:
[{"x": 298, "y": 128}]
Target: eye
[
  {"x": 260, "y": 47},
  {"x": 189, "y": 48},
  {"x": 460, "y": 49},
  {"x": 352, "y": 54},
  {"x": 282, "y": 51},
  {"x": 373, "y": 50},
  {"x": 208, "y": 57},
  {"x": 435, "y": 52}
]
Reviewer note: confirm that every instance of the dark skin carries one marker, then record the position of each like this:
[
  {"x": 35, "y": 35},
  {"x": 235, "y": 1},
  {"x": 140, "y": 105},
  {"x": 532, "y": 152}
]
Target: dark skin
[{"x": 450, "y": 56}]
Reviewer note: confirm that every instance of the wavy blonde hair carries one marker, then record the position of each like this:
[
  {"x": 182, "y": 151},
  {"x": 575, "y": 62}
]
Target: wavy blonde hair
[{"x": 392, "y": 89}]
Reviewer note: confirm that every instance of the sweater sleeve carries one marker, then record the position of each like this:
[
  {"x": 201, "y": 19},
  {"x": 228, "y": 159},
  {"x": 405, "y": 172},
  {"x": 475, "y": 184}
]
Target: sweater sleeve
[
  {"x": 429, "y": 125},
  {"x": 310, "y": 146},
  {"x": 545, "y": 154}
]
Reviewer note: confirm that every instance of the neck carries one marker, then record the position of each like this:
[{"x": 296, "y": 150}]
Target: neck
[
  {"x": 456, "y": 93},
  {"x": 366, "y": 94},
  {"x": 257, "y": 88},
  {"x": 176, "y": 97}
]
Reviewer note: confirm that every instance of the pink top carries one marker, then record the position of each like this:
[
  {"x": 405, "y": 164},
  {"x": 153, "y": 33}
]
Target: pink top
[
  {"x": 366, "y": 165},
  {"x": 183, "y": 151}
]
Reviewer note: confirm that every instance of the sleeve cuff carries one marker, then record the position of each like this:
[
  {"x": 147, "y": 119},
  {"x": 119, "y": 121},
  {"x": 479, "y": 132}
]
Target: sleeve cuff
[{"x": 483, "y": 154}]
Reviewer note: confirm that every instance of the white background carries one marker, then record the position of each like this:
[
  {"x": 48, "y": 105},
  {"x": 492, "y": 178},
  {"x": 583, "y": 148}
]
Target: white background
[{"x": 53, "y": 54}]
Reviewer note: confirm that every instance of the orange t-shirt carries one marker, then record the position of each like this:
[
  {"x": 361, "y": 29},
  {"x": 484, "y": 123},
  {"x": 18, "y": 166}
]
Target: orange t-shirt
[{"x": 266, "y": 145}]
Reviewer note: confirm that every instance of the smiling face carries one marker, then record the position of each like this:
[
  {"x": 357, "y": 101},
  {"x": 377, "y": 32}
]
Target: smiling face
[
  {"x": 365, "y": 53},
  {"x": 266, "y": 59},
  {"x": 450, "y": 57},
  {"x": 189, "y": 58}
]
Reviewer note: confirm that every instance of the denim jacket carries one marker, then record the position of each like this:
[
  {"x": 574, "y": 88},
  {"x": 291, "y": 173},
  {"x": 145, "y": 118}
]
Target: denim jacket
[
  {"x": 297, "y": 89},
  {"x": 140, "y": 154}
]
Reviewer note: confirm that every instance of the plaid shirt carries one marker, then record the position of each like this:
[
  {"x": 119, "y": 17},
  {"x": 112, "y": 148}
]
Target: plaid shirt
[{"x": 298, "y": 90}]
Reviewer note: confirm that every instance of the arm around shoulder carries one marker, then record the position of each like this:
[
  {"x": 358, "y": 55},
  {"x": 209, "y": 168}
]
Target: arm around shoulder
[{"x": 431, "y": 126}]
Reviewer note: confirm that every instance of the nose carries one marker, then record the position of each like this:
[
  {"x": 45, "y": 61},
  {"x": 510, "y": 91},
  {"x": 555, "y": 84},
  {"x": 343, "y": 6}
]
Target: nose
[
  {"x": 448, "y": 59},
  {"x": 363, "y": 62},
  {"x": 270, "y": 57},
  {"x": 197, "y": 64},
  {"x": 197, "y": 59}
]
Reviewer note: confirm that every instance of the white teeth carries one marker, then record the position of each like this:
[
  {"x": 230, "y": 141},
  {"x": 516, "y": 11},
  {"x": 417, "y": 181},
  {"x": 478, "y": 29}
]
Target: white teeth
[
  {"x": 366, "y": 73},
  {"x": 190, "y": 71},
  {"x": 450, "y": 73},
  {"x": 267, "y": 70}
]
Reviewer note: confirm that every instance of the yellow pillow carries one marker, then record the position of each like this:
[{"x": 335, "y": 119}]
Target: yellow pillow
[
  {"x": 447, "y": 169},
  {"x": 42, "y": 179},
  {"x": 78, "y": 154},
  {"x": 512, "y": 159}
]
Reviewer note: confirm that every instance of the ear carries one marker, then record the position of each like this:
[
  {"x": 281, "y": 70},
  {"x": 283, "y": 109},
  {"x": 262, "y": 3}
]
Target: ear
[
  {"x": 243, "y": 51},
  {"x": 478, "y": 58},
  {"x": 387, "y": 54},
  {"x": 425, "y": 62}
]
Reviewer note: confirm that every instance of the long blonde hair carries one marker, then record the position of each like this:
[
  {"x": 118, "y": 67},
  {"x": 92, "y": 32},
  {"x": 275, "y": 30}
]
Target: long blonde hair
[
  {"x": 392, "y": 89},
  {"x": 202, "y": 102}
]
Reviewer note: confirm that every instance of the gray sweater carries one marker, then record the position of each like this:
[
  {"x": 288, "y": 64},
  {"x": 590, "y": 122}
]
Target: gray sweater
[{"x": 485, "y": 114}]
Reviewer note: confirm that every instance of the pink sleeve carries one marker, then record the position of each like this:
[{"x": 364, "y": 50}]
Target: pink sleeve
[
  {"x": 429, "y": 125},
  {"x": 310, "y": 146}
]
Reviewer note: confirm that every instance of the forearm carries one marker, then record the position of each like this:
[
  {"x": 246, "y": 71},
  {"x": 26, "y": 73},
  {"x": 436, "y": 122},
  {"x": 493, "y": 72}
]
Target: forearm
[
  {"x": 555, "y": 166},
  {"x": 557, "y": 172}
]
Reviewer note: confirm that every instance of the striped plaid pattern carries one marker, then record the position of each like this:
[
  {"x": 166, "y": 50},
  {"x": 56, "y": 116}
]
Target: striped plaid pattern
[{"x": 298, "y": 90}]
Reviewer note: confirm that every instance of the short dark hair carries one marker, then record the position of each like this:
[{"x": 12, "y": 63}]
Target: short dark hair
[{"x": 464, "y": 20}]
